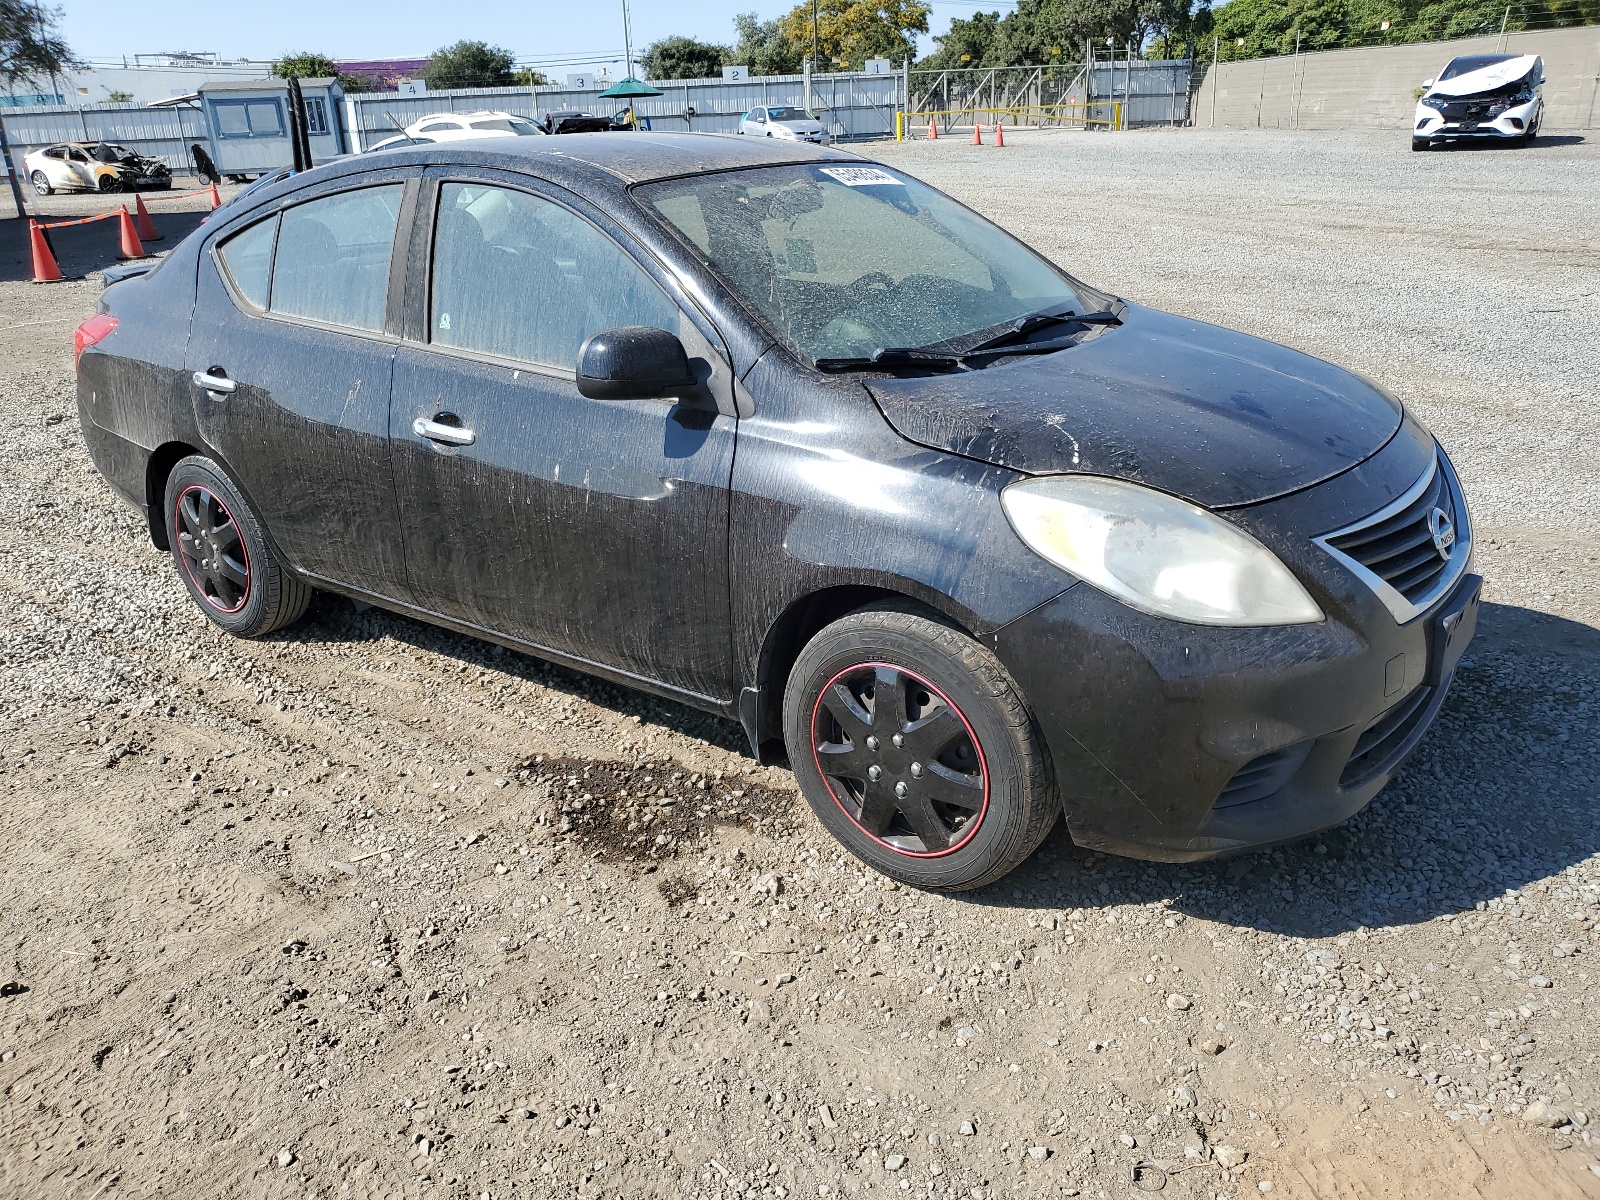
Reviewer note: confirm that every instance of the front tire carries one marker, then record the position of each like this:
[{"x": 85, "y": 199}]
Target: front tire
[
  {"x": 1419, "y": 144},
  {"x": 221, "y": 554},
  {"x": 41, "y": 183},
  {"x": 914, "y": 747}
]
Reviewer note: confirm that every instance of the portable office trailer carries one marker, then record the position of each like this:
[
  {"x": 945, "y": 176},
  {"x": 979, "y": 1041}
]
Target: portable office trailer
[{"x": 249, "y": 125}]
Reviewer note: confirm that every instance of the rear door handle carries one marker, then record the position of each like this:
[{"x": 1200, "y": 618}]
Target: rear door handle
[
  {"x": 215, "y": 384},
  {"x": 450, "y": 435}
]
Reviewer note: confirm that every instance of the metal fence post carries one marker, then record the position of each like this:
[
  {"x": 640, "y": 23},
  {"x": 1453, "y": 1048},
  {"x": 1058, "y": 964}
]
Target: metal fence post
[{"x": 1216, "y": 68}]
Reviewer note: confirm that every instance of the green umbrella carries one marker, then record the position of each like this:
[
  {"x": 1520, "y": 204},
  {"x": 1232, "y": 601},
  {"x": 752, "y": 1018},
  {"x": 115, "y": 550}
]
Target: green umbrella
[{"x": 629, "y": 87}]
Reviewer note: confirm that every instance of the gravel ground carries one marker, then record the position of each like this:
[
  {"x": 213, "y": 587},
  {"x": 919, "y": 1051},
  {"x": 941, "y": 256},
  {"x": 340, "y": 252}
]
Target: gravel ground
[{"x": 370, "y": 910}]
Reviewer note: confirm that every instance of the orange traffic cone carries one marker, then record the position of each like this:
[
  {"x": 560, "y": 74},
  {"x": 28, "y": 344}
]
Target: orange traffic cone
[
  {"x": 999, "y": 135},
  {"x": 933, "y": 129},
  {"x": 130, "y": 236},
  {"x": 977, "y": 134},
  {"x": 216, "y": 196},
  {"x": 44, "y": 261},
  {"x": 142, "y": 222}
]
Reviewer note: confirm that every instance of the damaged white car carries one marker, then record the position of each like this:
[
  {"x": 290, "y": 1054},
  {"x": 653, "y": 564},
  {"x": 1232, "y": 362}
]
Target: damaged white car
[{"x": 1482, "y": 97}]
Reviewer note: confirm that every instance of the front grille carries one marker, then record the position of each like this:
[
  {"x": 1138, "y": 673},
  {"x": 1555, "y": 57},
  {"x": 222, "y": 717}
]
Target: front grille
[
  {"x": 1394, "y": 550},
  {"x": 1386, "y": 740},
  {"x": 1467, "y": 110},
  {"x": 1263, "y": 776}
]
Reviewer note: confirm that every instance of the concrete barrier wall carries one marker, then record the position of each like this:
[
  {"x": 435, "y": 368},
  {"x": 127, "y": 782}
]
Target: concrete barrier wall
[{"x": 1373, "y": 87}]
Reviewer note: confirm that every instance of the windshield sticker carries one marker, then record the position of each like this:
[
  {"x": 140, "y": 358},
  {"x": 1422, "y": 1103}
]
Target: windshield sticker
[{"x": 860, "y": 176}]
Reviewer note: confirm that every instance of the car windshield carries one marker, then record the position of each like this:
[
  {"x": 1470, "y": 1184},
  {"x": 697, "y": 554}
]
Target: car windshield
[
  {"x": 1472, "y": 62},
  {"x": 845, "y": 261},
  {"x": 789, "y": 114},
  {"x": 508, "y": 125}
]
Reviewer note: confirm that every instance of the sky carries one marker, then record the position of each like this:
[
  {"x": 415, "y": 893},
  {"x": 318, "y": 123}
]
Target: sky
[{"x": 567, "y": 36}]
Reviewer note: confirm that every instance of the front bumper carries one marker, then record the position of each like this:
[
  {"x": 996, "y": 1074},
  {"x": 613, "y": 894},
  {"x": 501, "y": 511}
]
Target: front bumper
[
  {"x": 1429, "y": 124},
  {"x": 1181, "y": 742}
]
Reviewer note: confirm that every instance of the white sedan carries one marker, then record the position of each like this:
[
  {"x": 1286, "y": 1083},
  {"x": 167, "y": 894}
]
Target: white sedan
[
  {"x": 781, "y": 121},
  {"x": 92, "y": 167},
  {"x": 455, "y": 127}
]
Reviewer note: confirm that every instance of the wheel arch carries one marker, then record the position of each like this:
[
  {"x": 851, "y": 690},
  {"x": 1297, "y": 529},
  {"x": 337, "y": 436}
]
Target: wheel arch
[
  {"x": 761, "y": 703},
  {"x": 158, "y": 468}
]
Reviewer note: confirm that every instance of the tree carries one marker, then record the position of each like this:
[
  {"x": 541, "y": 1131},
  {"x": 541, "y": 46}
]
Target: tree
[
  {"x": 309, "y": 65},
  {"x": 969, "y": 43},
  {"x": 853, "y": 31},
  {"x": 470, "y": 64},
  {"x": 119, "y": 97},
  {"x": 531, "y": 78},
  {"x": 683, "y": 58},
  {"x": 765, "y": 49},
  {"x": 30, "y": 47}
]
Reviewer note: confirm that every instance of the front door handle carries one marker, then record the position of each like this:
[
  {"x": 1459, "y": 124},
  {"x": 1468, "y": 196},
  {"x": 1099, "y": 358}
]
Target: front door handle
[
  {"x": 450, "y": 435},
  {"x": 217, "y": 385}
]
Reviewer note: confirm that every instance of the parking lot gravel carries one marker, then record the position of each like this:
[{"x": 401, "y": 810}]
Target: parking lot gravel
[{"x": 368, "y": 909}]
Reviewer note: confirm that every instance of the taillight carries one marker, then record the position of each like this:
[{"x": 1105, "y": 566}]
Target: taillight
[{"x": 90, "y": 333}]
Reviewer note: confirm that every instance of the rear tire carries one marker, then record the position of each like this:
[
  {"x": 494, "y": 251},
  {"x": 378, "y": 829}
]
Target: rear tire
[
  {"x": 963, "y": 790},
  {"x": 41, "y": 183},
  {"x": 222, "y": 556}
]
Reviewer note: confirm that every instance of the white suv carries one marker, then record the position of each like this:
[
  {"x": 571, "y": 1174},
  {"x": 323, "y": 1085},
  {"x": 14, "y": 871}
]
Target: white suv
[{"x": 1482, "y": 97}]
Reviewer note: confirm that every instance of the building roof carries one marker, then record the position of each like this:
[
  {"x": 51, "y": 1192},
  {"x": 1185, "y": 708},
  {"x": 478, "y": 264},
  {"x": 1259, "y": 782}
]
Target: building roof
[{"x": 271, "y": 83}]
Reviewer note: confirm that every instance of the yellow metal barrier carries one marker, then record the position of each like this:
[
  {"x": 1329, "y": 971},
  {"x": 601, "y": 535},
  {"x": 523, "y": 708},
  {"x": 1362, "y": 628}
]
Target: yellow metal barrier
[{"x": 1025, "y": 114}]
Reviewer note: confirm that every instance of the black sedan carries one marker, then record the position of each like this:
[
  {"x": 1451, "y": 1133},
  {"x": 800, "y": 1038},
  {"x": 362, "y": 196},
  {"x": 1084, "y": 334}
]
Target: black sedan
[{"x": 789, "y": 436}]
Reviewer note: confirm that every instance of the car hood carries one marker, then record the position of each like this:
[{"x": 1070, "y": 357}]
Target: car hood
[
  {"x": 1486, "y": 79},
  {"x": 1214, "y": 416},
  {"x": 800, "y": 126}
]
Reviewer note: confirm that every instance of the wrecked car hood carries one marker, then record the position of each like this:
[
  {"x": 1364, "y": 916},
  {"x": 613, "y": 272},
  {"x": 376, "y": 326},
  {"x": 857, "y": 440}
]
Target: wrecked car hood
[
  {"x": 1214, "y": 416},
  {"x": 1486, "y": 79}
]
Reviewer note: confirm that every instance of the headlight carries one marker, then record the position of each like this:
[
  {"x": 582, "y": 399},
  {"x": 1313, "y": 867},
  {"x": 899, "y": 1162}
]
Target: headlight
[
  {"x": 1155, "y": 552},
  {"x": 783, "y": 131},
  {"x": 1436, "y": 102}
]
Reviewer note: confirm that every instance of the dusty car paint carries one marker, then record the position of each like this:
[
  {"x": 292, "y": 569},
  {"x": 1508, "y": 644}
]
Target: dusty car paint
[{"x": 691, "y": 547}]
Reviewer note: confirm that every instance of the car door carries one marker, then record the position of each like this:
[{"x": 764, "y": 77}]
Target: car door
[
  {"x": 292, "y": 363},
  {"x": 82, "y": 169},
  {"x": 593, "y": 529}
]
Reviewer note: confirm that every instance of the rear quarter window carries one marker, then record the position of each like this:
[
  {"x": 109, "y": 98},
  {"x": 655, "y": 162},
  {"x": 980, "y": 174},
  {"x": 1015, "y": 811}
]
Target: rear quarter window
[{"x": 247, "y": 259}]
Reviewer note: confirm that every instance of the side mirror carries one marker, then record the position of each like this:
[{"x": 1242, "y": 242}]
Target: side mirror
[
  {"x": 634, "y": 363},
  {"x": 1428, "y": 83}
]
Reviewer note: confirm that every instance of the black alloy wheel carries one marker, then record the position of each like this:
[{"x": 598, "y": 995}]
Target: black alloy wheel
[
  {"x": 223, "y": 556},
  {"x": 212, "y": 550},
  {"x": 900, "y": 759},
  {"x": 915, "y": 749},
  {"x": 110, "y": 184}
]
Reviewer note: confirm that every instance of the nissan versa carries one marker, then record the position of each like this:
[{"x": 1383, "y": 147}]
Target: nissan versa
[{"x": 788, "y": 436}]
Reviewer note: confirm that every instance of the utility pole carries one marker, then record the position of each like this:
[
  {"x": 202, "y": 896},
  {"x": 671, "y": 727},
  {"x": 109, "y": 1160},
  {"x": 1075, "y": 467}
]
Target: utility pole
[
  {"x": 816, "y": 51},
  {"x": 627, "y": 41},
  {"x": 1504, "y": 21}
]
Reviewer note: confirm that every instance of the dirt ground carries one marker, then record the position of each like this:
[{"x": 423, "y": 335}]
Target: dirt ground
[{"x": 368, "y": 909}]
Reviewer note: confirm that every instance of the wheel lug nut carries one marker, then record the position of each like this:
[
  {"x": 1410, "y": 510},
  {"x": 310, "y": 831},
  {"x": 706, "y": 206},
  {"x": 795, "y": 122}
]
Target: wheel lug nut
[
  {"x": 900, "y": 790},
  {"x": 872, "y": 742},
  {"x": 916, "y": 770},
  {"x": 898, "y": 741},
  {"x": 874, "y": 771}
]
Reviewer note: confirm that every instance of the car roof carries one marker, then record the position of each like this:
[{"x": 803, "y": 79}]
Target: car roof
[{"x": 631, "y": 157}]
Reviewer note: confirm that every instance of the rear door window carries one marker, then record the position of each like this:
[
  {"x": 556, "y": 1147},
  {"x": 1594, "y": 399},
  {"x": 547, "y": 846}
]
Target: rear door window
[
  {"x": 332, "y": 261},
  {"x": 521, "y": 277}
]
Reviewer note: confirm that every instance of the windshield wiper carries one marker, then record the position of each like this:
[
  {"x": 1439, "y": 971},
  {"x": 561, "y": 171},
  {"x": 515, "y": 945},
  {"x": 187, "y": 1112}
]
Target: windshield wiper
[
  {"x": 891, "y": 356},
  {"x": 1025, "y": 325}
]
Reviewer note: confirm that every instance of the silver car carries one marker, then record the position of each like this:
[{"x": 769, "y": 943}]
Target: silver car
[{"x": 780, "y": 121}]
